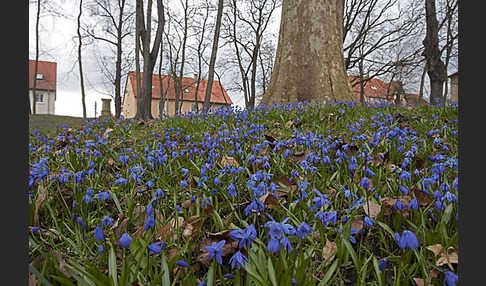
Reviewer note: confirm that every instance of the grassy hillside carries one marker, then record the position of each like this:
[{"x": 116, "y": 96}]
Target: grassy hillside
[
  {"x": 290, "y": 195},
  {"x": 49, "y": 123}
]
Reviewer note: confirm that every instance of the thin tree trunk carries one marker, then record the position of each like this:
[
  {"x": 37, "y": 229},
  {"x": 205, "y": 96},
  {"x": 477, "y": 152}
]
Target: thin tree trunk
[
  {"x": 212, "y": 60},
  {"x": 435, "y": 67},
  {"x": 83, "y": 96},
  {"x": 309, "y": 64},
  {"x": 118, "y": 62},
  {"x": 140, "y": 97},
  {"x": 162, "y": 94},
  {"x": 183, "y": 57},
  {"x": 422, "y": 82},
  {"x": 34, "y": 85}
]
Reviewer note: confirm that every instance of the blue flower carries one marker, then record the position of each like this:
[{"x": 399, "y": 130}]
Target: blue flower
[
  {"x": 238, "y": 259},
  {"x": 232, "y": 190},
  {"x": 403, "y": 189},
  {"x": 215, "y": 250},
  {"x": 369, "y": 222},
  {"x": 244, "y": 236},
  {"x": 102, "y": 196},
  {"x": 365, "y": 183},
  {"x": 407, "y": 240},
  {"x": 228, "y": 276},
  {"x": 285, "y": 243},
  {"x": 80, "y": 222},
  {"x": 303, "y": 230},
  {"x": 182, "y": 263},
  {"x": 98, "y": 234},
  {"x": 157, "y": 247},
  {"x": 293, "y": 281},
  {"x": 382, "y": 264},
  {"x": 125, "y": 240},
  {"x": 273, "y": 245},
  {"x": 413, "y": 204},
  {"x": 149, "y": 209},
  {"x": 399, "y": 205},
  {"x": 100, "y": 248},
  {"x": 405, "y": 176},
  {"x": 149, "y": 223},
  {"x": 450, "y": 279},
  {"x": 202, "y": 283}
]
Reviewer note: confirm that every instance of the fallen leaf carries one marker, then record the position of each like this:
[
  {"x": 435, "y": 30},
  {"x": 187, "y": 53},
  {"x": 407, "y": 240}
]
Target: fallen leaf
[
  {"x": 284, "y": 182},
  {"x": 229, "y": 161},
  {"x": 62, "y": 265},
  {"x": 32, "y": 279},
  {"x": 388, "y": 204},
  {"x": 422, "y": 198},
  {"x": 172, "y": 252},
  {"x": 269, "y": 200},
  {"x": 357, "y": 223},
  {"x": 289, "y": 124},
  {"x": 419, "y": 281},
  {"x": 107, "y": 131},
  {"x": 444, "y": 257},
  {"x": 372, "y": 209},
  {"x": 188, "y": 229},
  {"x": 170, "y": 228},
  {"x": 187, "y": 204},
  {"x": 298, "y": 156},
  {"x": 41, "y": 196},
  {"x": 329, "y": 251}
]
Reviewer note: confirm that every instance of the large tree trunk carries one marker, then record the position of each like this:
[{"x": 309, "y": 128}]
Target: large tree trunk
[
  {"x": 118, "y": 72},
  {"x": 435, "y": 67},
  {"x": 309, "y": 64},
  {"x": 212, "y": 60},
  {"x": 138, "y": 15},
  {"x": 83, "y": 95}
]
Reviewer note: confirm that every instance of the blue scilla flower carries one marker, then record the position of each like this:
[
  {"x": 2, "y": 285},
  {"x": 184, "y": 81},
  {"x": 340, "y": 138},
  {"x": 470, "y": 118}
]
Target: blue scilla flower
[
  {"x": 256, "y": 206},
  {"x": 368, "y": 172},
  {"x": 405, "y": 176},
  {"x": 102, "y": 196},
  {"x": 399, "y": 205},
  {"x": 107, "y": 220},
  {"x": 450, "y": 279},
  {"x": 125, "y": 240},
  {"x": 98, "y": 234},
  {"x": 285, "y": 243},
  {"x": 413, "y": 204},
  {"x": 439, "y": 205},
  {"x": 365, "y": 183},
  {"x": 403, "y": 189},
  {"x": 215, "y": 250},
  {"x": 182, "y": 263},
  {"x": 369, "y": 222},
  {"x": 238, "y": 260},
  {"x": 232, "y": 190},
  {"x": 149, "y": 209},
  {"x": 149, "y": 223},
  {"x": 157, "y": 247},
  {"x": 382, "y": 264},
  {"x": 407, "y": 240},
  {"x": 81, "y": 222},
  {"x": 244, "y": 236},
  {"x": 303, "y": 230},
  {"x": 450, "y": 197},
  {"x": 100, "y": 248},
  {"x": 293, "y": 281}
]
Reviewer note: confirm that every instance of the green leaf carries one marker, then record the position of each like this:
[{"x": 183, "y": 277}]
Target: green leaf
[
  {"x": 271, "y": 272},
  {"x": 39, "y": 276},
  {"x": 351, "y": 251},
  {"x": 211, "y": 274},
  {"x": 112, "y": 271},
  {"x": 329, "y": 273},
  {"x": 165, "y": 269},
  {"x": 117, "y": 202}
]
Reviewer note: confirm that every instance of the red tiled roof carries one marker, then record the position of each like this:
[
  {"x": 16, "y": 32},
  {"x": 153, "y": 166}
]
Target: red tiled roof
[
  {"x": 218, "y": 94},
  {"x": 49, "y": 72},
  {"x": 373, "y": 88}
]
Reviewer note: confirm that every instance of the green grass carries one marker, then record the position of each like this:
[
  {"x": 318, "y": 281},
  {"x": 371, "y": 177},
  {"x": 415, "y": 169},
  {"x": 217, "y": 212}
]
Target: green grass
[
  {"x": 196, "y": 209},
  {"x": 49, "y": 123}
]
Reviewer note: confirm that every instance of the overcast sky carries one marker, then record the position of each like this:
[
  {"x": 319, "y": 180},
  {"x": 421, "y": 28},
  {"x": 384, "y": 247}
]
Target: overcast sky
[{"x": 58, "y": 43}]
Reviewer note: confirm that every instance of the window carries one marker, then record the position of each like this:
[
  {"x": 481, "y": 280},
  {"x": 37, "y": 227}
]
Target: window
[
  {"x": 186, "y": 90},
  {"x": 373, "y": 87},
  {"x": 39, "y": 97},
  {"x": 39, "y": 76},
  {"x": 193, "y": 107},
  {"x": 128, "y": 107}
]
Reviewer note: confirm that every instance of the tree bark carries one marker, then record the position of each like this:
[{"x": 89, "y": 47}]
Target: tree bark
[
  {"x": 309, "y": 64},
  {"x": 34, "y": 84},
  {"x": 138, "y": 15},
  {"x": 435, "y": 67},
  {"x": 212, "y": 60},
  {"x": 162, "y": 99},
  {"x": 83, "y": 95},
  {"x": 144, "y": 102},
  {"x": 118, "y": 68}
]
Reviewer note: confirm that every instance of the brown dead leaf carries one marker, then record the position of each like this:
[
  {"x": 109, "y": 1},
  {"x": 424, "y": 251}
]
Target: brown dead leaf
[
  {"x": 62, "y": 265},
  {"x": 41, "y": 196},
  {"x": 381, "y": 158},
  {"x": 357, "y": 223},
  {"x": 187, "y": 204},
  {"x": 329, "y": 251},
  {"x": 289, "y": 124},
  {"x": 388, "y": 203},
  {"x": 121, "y": 227},
  {"x": 111, "y": 161},
  {"x": 284, "y": 182},
  {"x": 108, "y": 130},
  {"x": 372, "y": 209},
  {"x": 229, "y": 161},
  {"x": 170, "y": 228},
  {"x": 444, "y": 256},
  {"x": 172, "y": 252},
  {"x": 434, "y": 273},
  {"x": 269, "y": 200},
  {"x": 32, "y": 279},
  {"x": 298, "y": 156},
  {"x": 229, "y": 248},
  {"x": 188, "y": 230},
  {"x": 269, "y": 137},
  {"x": 422, "y": 198},
  {"x": 419, "y": 281}
]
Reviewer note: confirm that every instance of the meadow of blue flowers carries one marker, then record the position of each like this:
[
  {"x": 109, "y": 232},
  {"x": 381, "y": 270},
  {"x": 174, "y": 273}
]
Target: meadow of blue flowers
[{"x": 298, "y": 194}]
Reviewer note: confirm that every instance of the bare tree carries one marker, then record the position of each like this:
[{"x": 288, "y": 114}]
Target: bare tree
[
  {"x": 116, "y": 25},
  {"x": 436, "y": 69},
  {"x": 214, "y": 52},
  {"x": 144, "y": 100},
  {"x": 80, "y": 62},
  {"x": 34, "y": 85},
  {"x": 251, "y": 19}
]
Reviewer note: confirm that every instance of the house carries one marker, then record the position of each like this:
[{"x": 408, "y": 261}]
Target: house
[
  {"x": 45, "y": 91},
  {"x": 454, "y": 78},
  {"x": 219, "y": 96},
  {"x": 378, "y": 91}
]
